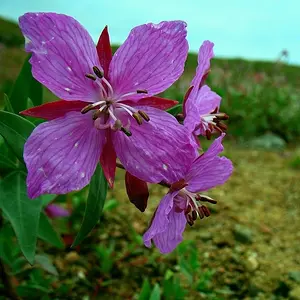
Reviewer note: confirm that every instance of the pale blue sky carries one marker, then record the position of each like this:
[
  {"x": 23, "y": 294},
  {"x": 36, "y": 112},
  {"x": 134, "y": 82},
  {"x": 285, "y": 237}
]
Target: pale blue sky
[{"x": 257, "y": 29}]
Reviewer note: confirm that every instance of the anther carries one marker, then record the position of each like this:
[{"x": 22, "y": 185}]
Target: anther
[
  {"x": 87, "y": 108},
  {"x": 208, "y": 134},
  {"x": 90, "y": 76},
  {"x": 138, "y": 118},
  {"x": 189, "y": 220},
  {"x": 194, "y": 215},
  {"x": 127, "y": 132},
  {"x": 205, "y": 210},
  {"x": 201, "y": 212},
  {"x": 222, "y": 126},
  {"x": 96, "y": 115},
  {"x": 144, "y": 115},
  {"x": 206, "y": 199},
  {"x": 222, "y": 116},
  {"x": 97, "y": 72},
  {"x": 142, "y": 92}
]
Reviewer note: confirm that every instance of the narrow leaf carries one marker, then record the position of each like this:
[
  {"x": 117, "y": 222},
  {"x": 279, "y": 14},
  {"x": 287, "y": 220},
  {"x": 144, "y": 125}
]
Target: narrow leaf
[
  {"x": 94, "y": 205},
  {"x": 155, "y": 295},
  {"x": 15, "y": 130},
  {"x": 45, "y": 262},
  {"x": 25, "y": 87},
  {"x": 47, "y": 233},
  {"x": 22, "y": 213},
  {"x": 145, "y": 291},
  {"x": 7, "y": 104}
]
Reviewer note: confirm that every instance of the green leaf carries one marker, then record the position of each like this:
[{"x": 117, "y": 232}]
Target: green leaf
[
  {"x": 7, "y": 104},
  {"x": 6, "y": 163},
  {"x": 155, "y": 295},
  {"x": 47, "y": 233},
  {"x": 22, "y": 212},
  {"x": 15, "y": 130},
  {"x": 175, "y": 110},
  {"x": 25, "y": 87},
  {"x": 6, "y": 244},
  {"x": 45, "y": 262},
  {"x": 94, "y": 205},
  {"x": 145, "y": 291}
]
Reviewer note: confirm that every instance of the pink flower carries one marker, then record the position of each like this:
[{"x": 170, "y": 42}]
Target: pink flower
[
  {"x": 108, "y": 108},
  {"x": 56, "y": 211},
  {"x": 182, "y": 204},
  {"x": 201, "y": 105}
]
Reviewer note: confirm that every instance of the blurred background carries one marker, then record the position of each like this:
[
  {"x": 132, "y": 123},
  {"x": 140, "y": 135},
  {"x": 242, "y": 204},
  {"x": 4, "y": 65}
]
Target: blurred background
[{"x": 249, "y": 247}]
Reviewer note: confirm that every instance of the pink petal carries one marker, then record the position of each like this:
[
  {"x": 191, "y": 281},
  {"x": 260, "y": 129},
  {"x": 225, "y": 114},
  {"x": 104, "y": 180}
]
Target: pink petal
[
  {"x": 157, "y": 150},
  {"x": 104, "y": 51},
  {"x": 205, "y": 54},
  {"x": 56, "y": 211},
  {"x": 167, "y": 226},
  {"x": 53, "y": 110},
  {"x": 161, "y": 103},
  {"x": 61, "y": 155},
  {"x": 209, "y": 170},
  {"x": 198, "y": 104},
  {"x": 108, "y": 161},
  {"x": 207, "y": 100},
  {"x": 151, "y": 59},
  {"x": 62, "y": 53}
]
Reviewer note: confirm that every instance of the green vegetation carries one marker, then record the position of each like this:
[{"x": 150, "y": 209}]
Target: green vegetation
[{"x": 248, "y": 247}]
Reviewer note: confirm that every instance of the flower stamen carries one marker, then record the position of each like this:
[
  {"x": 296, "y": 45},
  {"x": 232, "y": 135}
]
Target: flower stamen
[
  {"x": 144, "y": 115},
  {"x": 97, "y": 72}
]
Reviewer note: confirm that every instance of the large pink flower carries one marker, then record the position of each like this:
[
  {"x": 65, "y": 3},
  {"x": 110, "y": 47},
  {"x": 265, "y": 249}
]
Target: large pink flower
[
  {"x": 108, "y": 108},
  {"x": 183, "y": 204}
]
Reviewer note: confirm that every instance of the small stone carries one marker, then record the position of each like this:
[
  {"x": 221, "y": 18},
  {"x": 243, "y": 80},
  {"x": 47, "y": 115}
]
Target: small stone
[
  {"x": 243, "y": 234},
  {"x": 72, "y": 256},
  {"x": 295, "y": 275},
  {"x": 251, "y": 264},
  {"x": 294, "y": 294}
]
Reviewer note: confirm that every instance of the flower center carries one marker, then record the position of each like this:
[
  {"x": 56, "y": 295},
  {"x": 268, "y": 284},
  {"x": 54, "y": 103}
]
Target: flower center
[
  {"x": 192, "y": 206},
  {"x": 212, "y": 122},
  {"x": 107, "y": 110}
]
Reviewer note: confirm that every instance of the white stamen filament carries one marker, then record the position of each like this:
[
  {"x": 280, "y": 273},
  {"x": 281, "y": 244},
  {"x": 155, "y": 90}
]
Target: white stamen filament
[
  {"x": 111, "y": 113},
  {"x": 128, "y": 94},
  {"x": 109, "y": 87}
]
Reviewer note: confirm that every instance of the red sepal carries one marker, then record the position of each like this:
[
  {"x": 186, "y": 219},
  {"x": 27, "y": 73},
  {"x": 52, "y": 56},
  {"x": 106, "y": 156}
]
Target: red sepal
[
  {"x": 53, "y": 110},
  {"x": 104, "y": 51},
  {"x": 108, "y": 161}
]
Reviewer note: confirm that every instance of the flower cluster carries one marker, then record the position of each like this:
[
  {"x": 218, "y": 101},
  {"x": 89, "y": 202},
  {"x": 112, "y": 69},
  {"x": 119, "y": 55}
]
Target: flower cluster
[{"x": 108, "y": 111}]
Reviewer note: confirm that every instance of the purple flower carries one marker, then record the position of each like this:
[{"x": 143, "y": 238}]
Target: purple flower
[
  {"x": 182, "y": 204},
  {"x": 108, "y": 108},
  {"x": 56, "y": 211},
  {"x": 201, "y": 105}
]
